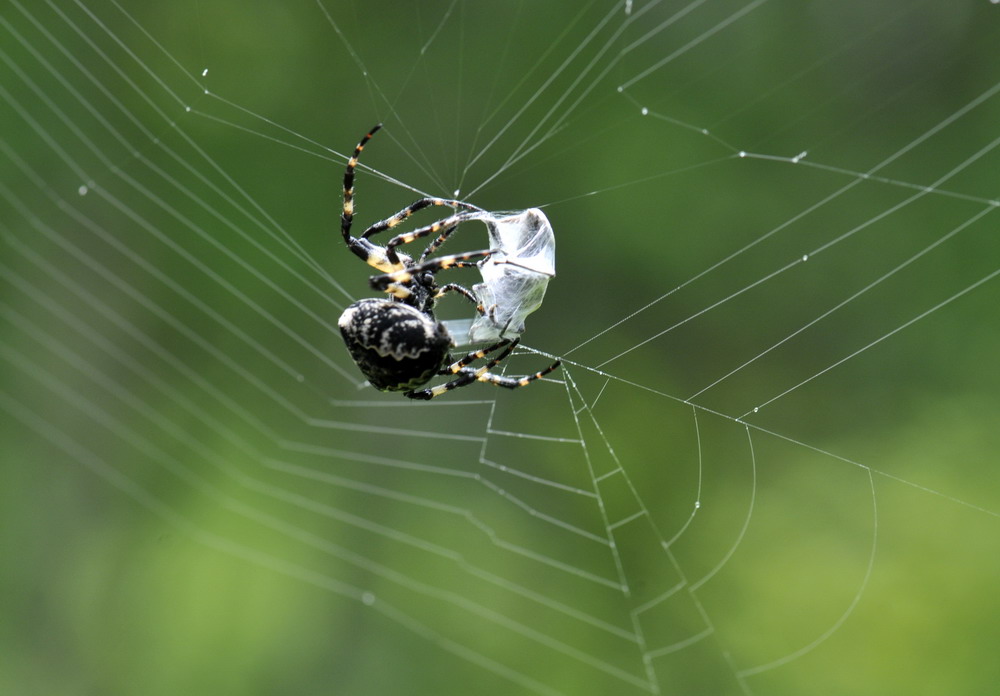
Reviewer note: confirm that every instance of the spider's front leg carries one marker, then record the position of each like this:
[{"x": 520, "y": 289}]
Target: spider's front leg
[
  {"x": 397, "y": 281},
  {"x": 463, "y": 291},
  {"x": 446, "y": 227},
  {"x": 396, "y": 219}
]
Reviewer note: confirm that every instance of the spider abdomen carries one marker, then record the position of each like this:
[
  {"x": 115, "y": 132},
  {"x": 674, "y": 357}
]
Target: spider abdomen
[{"x": 397, "y": 347}]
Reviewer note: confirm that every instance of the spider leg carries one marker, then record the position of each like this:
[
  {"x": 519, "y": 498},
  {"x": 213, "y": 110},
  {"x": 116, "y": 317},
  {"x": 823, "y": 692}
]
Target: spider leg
[
  {"x": 464, "y": 292},
  {"x": 368, "y": 252},
  {"x": 515, "y": 382},
  {"x": 458, "y": 365},
  {"x": 446, "y": 227},
  {"x": 409, "y": 210},
  {"x": 468, "y": 375},
  {"x": 397, "y": 280},
  {"x": 441, "y": 238},
  {"x": 347, "y": 216},
  {"x": 483, "y": 374}
]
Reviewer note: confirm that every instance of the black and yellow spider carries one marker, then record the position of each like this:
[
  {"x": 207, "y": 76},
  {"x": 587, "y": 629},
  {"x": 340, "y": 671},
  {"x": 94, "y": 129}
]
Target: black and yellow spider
[{"x": 396, "y": 342}]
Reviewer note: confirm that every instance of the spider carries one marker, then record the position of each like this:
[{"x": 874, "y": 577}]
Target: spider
[{"x": 396, "y": 342}]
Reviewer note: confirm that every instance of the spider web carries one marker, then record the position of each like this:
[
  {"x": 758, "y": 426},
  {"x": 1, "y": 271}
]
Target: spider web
[{"x": 766, "y": 464}]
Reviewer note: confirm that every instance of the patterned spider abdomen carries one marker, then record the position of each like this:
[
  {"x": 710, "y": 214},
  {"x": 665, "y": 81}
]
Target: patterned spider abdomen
[{"x": 397, "y": 347}]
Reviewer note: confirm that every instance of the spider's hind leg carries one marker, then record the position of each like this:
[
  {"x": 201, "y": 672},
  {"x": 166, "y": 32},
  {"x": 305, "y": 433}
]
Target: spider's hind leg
[
  {"x": 472, "y": 356},
  {"x": 468, "y": 375},
  {"x": 347, "y": 216}
]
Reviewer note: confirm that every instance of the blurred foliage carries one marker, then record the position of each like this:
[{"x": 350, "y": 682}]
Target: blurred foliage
[{"x": 181, "y": 513}]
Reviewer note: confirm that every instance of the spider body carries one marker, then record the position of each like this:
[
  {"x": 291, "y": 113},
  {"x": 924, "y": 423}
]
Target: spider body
[
  {"x": 397, "y": 342},
  {"x": 397, "y": 347}
]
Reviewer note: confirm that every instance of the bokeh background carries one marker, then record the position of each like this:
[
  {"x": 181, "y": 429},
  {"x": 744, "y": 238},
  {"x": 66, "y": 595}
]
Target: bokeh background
[{"x": 199, "y": 496}]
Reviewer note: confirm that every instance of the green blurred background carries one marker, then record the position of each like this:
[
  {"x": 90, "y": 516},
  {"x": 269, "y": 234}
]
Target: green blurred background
[{"x": 198, "y": 497}]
